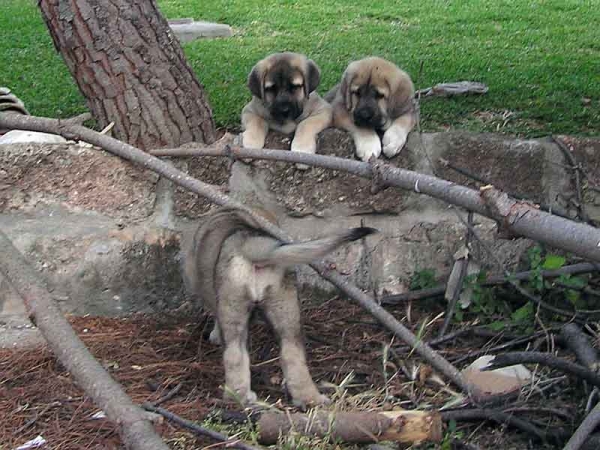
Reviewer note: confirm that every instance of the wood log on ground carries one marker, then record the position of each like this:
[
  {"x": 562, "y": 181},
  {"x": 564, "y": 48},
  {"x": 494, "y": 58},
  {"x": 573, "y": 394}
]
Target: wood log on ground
[{"x": 355, "y": 427}]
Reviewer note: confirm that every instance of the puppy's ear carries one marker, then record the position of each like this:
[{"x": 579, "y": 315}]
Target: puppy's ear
[
  {"x": 313, "y": 77},
  {"x": 345, "y": 88},
  {"x": 401, "y": 100},
  {"x": 255, "y": 82}
]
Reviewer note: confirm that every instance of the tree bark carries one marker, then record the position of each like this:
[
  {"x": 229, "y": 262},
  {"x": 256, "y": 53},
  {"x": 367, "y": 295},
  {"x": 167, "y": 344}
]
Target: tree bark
[{"x": 131, "y": 70}]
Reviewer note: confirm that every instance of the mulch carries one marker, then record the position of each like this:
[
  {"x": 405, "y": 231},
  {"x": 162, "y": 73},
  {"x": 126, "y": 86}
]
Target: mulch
[{"x": 150, "y": 355}]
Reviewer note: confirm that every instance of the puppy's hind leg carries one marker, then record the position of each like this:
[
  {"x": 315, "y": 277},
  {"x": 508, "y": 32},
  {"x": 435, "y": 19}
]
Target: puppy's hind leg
[
  {"x": 234, "y": 316},
  {"x": 283, "y": 312}
]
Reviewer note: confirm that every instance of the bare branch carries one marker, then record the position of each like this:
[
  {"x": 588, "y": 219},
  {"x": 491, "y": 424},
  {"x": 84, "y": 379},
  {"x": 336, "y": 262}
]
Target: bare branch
[{"x": 135, "y": 428}]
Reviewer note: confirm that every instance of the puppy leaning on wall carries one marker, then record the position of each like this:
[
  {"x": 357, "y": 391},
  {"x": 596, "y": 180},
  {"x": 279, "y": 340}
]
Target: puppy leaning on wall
[
  {"x": 374, "y": 97},
  {"x": 284, "y": 99},
  {"x": 234, "y": 266}
]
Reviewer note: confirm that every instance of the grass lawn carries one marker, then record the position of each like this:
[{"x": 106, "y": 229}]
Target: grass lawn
[{"x": 541, "y": 59}]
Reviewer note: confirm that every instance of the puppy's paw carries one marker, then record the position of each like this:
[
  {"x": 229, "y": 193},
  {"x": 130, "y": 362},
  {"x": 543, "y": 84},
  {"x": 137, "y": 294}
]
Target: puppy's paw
[
  {"x": 215, "y": 336},
  {"x": 303, "y": 146},
  {"x": 315, "y": 399},
  {"x": 393, "y": 141},
  {"x": 368, "y": 146},
  {"x": 252, "y": 140}
]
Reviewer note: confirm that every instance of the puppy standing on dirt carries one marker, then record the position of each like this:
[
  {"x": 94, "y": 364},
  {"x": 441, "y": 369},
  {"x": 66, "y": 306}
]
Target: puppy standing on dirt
[
  {"x": 284, "y": 99},
  {"x": 234, "y": 266},
  {"x": 374, "y": 97}
]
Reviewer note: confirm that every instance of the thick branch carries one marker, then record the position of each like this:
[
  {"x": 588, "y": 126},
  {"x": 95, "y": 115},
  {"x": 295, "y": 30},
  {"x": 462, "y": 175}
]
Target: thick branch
[
  {"x": 135, "y": 428},
  {"x": 586, "y": 428},
  {"x": 182, "y": 179}
]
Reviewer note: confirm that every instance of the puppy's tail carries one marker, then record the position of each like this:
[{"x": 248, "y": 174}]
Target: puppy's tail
[{"x": 306, "y": 252}]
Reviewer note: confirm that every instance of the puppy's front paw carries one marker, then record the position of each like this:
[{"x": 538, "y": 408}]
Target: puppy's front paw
[
  {"x": 367, "y": 146},
  {"x": 305, "y": 146},
  {"x": 252, "y": 140},
  {"x": 393, "y": 141}
]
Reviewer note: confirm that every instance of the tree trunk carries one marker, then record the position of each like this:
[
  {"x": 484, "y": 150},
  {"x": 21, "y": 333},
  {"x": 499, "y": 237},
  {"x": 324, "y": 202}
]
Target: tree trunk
[{"x": 131, "y": 69}]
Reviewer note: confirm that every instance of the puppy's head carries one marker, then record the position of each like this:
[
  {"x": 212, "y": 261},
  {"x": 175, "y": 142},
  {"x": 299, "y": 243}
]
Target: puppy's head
[
  {"x": 376, "y": 92},
  {"x": 283, "y": 81}
]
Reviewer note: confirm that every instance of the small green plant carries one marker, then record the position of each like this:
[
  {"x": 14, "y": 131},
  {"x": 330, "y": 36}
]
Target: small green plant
[{"x": 423, "y": 279}]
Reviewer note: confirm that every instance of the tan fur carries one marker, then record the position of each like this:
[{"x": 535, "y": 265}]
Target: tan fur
[
  {"x": 395, "y": 106},
  {"x": 234, "y": 266},
  {"x": 258, "y": 117}
]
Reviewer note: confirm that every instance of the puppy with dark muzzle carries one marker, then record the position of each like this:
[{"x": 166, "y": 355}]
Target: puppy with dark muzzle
[
  {"x": 234, "y": 266},
  {"x": 284, "y": 98},
  {"x": 375, "y": 97}
]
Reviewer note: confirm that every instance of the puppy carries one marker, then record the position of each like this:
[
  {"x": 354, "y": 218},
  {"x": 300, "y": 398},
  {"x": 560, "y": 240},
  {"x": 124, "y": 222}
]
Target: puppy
[
  {"x": 375, "y": 97},
  {"x": 284, "y": 98},
  {"x": 234, "y": 266}
]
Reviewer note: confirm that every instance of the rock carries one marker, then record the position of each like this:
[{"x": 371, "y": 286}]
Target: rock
[
  {"x": 21, "y": 136},
  {"x": 187, "y": 30},
  {"x": 497, "y": 381}
]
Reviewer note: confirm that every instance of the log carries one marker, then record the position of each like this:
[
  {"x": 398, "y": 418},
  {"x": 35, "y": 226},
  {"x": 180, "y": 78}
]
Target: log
[{"x": 407, "y": 427}]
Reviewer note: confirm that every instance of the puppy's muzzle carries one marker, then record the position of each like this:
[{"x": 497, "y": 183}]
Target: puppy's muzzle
[
  {"x": 367, "y": 117},
  {"x": 285, "y": 110}
]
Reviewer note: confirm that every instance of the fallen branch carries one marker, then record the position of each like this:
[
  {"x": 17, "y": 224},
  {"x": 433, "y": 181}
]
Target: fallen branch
[
  {"x": 355, "y": 427},
  {"x": 126, "y": 151},
  {"x": 546, "y": 359},
  {"x": 586, "y": 428},
  {"x": 572, "y": 269},
  {"x": 198, "y": 429},
  {"x": 453, "y": 89},
  {"x": 135, "y": 427},
  {"x": 574, "y": 338}
]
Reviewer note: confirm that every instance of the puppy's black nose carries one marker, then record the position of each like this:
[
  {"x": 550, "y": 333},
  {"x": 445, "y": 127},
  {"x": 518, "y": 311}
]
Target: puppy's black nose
[
  {"x": 364, "y": 113},
  {"x": 284, "y": 109}
]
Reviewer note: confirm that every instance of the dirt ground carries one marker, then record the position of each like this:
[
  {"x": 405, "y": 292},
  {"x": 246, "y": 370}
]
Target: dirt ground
[{"x": 151, "y": 355}]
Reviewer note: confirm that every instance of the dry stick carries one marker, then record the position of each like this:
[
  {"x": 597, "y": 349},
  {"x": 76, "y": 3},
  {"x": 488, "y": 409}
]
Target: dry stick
[
  {"x": 546, "y": 359},
  {"x": 461, "y": 277},
  {"x": 197, "y": 429},
  {"x": 180, "y": 178},
  {"x": 521, "y": 218},
  {"x": 134, "y": 424},
  {"x": 572, "y": 269},
  {"x": 586, "y": 428}
]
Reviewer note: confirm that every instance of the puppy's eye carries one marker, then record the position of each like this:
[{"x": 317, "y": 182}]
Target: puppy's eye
[
  {"x": 297, "y": 86},
  {"x": 269, "y": 88},
  {"x": 355, "y": 92},
  {"x": 379, "y": 95}
]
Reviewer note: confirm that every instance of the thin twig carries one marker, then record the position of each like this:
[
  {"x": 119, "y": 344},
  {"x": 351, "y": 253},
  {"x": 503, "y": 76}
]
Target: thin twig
[
  {"x": 168, "y": 396},
  {"x": 198, "y": 429},
  {"x": 499, "y": 417}
]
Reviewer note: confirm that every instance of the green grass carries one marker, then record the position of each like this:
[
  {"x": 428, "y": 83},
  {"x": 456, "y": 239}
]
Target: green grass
[{"x": 539, "y": 58}]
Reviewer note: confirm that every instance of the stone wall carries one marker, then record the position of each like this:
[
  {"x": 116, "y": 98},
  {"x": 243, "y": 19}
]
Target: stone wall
[{"x": 106, "y": 235}]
